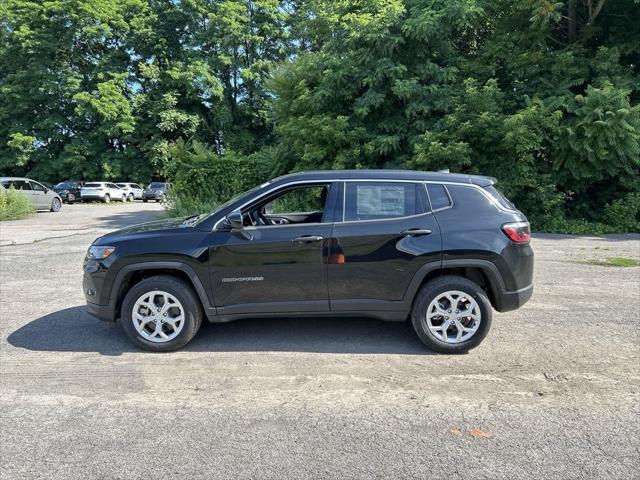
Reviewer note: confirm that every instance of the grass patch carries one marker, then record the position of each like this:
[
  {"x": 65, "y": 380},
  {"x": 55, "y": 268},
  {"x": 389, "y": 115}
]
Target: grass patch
[
  {"x": 14, "y": 205},
  {"x": 613, "y": 262}
]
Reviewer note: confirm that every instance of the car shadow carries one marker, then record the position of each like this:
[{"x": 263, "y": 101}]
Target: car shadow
[{"x": 74, "y": 330}]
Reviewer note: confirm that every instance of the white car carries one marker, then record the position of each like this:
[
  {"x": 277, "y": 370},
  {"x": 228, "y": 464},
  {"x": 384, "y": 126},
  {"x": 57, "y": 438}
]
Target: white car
[
  {"x": 102, "y": 191},
  {"x": 133, "y": 190}
]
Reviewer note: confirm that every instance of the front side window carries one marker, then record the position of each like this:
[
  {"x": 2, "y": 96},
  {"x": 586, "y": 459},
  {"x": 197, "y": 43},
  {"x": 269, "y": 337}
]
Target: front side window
[
  {"x": 304, "y": 204},
  {"x": 382, "y": 200},
  {"x": 36, "y": 186}
]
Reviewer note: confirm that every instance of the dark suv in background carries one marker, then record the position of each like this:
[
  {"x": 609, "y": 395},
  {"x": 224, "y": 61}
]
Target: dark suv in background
[
  {"x": 69, "y": 190},
  {"x": 441, "y": 249}
]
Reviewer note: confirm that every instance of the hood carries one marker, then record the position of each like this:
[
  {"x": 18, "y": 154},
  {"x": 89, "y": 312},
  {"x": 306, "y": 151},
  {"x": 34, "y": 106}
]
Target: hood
[{"x": 156, "y": 226}]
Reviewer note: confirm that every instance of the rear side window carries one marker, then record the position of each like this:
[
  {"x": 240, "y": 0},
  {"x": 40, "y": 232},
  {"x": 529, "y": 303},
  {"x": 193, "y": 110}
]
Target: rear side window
[
  {"x": 381, "y": 200},
  {"x": 439, "y": 196},
  {"x": 92, "y": 185}
]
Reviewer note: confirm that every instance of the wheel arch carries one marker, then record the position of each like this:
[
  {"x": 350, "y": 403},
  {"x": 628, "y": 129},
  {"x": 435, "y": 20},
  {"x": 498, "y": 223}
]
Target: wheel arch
[
  {"x": 130, "y": 275},
  {"x": 482, "y": 272}
]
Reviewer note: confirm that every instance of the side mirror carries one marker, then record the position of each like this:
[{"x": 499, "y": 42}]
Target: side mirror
[{"x": 235, "y": 220}]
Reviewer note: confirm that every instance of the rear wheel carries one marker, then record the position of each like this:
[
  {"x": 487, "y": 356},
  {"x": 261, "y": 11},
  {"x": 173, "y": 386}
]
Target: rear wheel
[
  {"x": 161, "y": 313},
  {"x": 131, "y": 197},
  {"x": 56, "y": 205},
  {"x": 71, "y": 198},
  {"x": 144, "y": 200},
  {"x": 124, "y": 198},
  {"x": 451, "y": 314},
  {"x": 107, "y": 198}
]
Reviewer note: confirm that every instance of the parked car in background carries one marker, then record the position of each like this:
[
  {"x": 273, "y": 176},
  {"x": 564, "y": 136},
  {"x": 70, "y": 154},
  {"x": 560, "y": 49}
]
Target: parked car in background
[
  {"x": 133, "y": 190},
  {"x": 42, "y": 198},
  {"x": 156, "y": 191},
  {"x": 69, "y": 190},
  {"x": 103, "y": 192}
]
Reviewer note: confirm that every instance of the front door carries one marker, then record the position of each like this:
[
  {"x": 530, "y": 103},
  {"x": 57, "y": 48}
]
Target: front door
[
  {"x": 275, "y": 264},
  {"x": 384, "y": 235}
]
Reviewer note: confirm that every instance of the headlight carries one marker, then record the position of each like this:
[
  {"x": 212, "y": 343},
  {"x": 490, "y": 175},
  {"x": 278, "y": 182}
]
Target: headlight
[{"x": 99, "y": 253}]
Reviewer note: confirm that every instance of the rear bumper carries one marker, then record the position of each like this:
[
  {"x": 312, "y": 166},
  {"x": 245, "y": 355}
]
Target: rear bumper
[{"x": 506, "y": 301}]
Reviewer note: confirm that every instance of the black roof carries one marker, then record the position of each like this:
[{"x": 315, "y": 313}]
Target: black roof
[{"x": 388, "y": 175}]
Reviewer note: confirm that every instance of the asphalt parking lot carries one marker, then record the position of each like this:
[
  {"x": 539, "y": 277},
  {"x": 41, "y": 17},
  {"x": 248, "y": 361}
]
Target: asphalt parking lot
[{"x": 552, "y": 392}]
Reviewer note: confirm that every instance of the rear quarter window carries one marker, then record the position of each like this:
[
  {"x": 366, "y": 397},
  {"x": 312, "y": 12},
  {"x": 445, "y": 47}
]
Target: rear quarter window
[
  {"x": 439, "y": 196},
  {"x": 499, "y": 197}
]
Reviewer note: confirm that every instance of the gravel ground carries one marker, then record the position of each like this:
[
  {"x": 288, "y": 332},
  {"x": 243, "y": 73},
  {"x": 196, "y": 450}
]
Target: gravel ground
[{"x": 553, "y": 391}]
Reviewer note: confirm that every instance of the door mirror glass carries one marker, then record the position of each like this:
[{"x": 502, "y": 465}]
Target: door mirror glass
[{"x": 235, "y": 220}]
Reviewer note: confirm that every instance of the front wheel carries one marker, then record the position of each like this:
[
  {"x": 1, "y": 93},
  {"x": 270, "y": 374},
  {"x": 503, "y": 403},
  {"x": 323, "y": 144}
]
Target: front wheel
[
  {"x": 131, "y": 197},
  {"x": 161, "y": 313},
  {"x": 451, "y": 314},
  {"x": 55, "y": 205}
]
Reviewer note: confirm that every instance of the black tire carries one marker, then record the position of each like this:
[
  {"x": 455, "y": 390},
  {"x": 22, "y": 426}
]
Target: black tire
[
  {"x": 131, "y": 197},
  {"x": 71, "y": 199},
  {"x": 107, "y": 198},
  {"x": 180, "y": 290},
  {"x": 144, "y": 200},
  {"x": 124, "y": 198},
  {"x": 436, "y": 287},
  {"x": 56, "y": 205}
]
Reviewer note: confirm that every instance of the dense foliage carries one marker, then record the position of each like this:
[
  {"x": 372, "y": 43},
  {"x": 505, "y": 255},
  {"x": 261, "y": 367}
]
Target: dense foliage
[
  {"x": 220, "y": 95},
  {"x": 14, "y": 205}
]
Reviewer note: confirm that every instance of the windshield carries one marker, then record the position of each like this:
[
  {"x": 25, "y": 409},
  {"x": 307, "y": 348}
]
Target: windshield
[
  {"x": 66, "y": 185},
  {"x": 230, "y": 202},
  {"x": 156, "y": 185}
]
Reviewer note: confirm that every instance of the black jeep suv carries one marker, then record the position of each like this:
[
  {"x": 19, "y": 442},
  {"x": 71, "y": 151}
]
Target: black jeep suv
[{"x": 439, "y": 248}]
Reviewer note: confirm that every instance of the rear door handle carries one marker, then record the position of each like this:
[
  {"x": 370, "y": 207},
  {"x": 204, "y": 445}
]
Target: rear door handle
[
  {"x": 415, "y": 232},
  {"x": 308, "y": 239}
]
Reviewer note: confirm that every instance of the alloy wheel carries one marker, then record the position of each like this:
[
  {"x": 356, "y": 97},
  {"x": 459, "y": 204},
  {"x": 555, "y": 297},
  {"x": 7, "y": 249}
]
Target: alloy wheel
[
  {"x": 158, "y": 316},
  {"x": 453, "y": 317}
]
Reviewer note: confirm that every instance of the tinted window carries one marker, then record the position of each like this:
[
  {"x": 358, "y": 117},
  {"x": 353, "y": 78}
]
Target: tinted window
[
  {"x": 37, "y": 186},
  {"x": 17, "y": 184},
  {"x": 111, "y": 185},
  {"x": 439, "y": 196},
  {"x": 93, "y": 185},
  {"x": 122, "y": 185},
  {"x": 156, "y": 185},
  {"x": 499, "y": 197},
  {"x": 381, "y": 200}
]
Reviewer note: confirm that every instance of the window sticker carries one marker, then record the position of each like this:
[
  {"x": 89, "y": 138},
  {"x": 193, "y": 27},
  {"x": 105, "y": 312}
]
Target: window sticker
[{"x": 380, "y": 200}]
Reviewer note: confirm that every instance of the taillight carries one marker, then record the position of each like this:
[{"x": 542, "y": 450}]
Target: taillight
[{"x": 517, "y": 232}]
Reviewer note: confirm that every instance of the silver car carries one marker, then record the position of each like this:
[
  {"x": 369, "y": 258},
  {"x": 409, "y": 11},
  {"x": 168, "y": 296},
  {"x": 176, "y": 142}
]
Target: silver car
[
  {"x": 134, "y": 191},
  {"x": 42, "y": 198}
]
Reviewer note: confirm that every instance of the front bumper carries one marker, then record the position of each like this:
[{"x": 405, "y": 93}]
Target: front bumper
[{"x": 102, "y": 312}]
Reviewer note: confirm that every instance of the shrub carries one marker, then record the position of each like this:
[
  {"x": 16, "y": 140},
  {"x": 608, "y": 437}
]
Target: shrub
[
  {"x": 14, "y": 205},
  {"x": 202, "y": 179}
]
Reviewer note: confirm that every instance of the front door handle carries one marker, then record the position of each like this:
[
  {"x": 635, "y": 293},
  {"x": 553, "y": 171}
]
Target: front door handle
[
  {"x": 307, "y": 239},
  {"x": 415, "y": 232}
]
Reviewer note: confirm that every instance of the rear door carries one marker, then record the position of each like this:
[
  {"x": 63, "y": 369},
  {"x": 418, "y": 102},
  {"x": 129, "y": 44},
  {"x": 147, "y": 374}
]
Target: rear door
[{"x": 384, "y": 234}]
